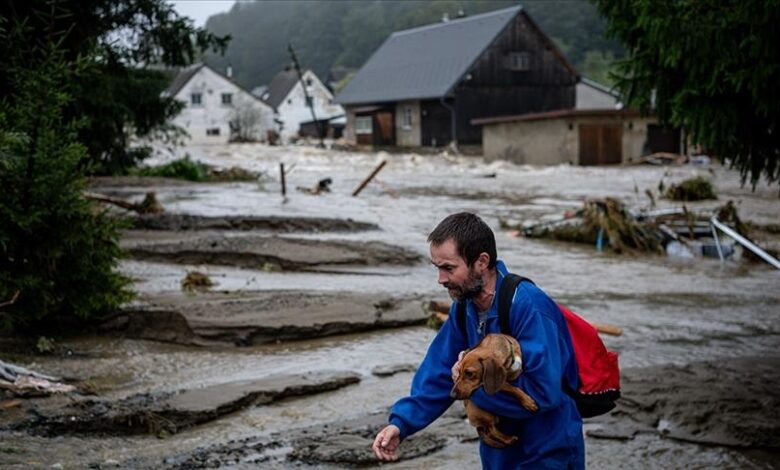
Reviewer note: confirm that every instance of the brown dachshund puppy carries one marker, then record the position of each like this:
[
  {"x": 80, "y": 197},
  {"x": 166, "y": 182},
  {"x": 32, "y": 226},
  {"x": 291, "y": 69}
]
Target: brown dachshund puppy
[{"x": 494, "y": 363}]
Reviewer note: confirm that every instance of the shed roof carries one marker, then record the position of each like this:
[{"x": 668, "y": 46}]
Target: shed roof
[{"x": 425, "y": 62}]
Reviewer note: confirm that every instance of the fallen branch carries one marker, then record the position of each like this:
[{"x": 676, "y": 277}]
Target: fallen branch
[
  {"x": 12, "y": 301},
  {"x": 369, "y": 178},
  {"x": 149, "y": 205},
  {"x": 24, "y": 382}
]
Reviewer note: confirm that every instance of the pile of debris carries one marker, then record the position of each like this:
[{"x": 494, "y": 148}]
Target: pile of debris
[{"x": 678, "y": 232}]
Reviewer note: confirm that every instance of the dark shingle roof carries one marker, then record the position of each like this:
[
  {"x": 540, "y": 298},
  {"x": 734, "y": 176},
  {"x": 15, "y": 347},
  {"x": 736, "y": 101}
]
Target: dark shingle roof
[
  {"x": 182, "y": 78},
  {"x": 425, "y": 62},
  {"x": 280, "y": 87}
]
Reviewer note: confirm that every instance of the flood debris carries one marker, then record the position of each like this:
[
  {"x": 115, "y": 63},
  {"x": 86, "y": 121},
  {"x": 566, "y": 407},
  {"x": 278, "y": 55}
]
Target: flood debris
[
  {"x": 166, "y": 413},
  {"x": 603, "y": 223},
  {"x": 149, "y": 205},
  {"x": 191, "y": 170},
  {"x": 22, "y": 382},
  {"x": 196, "y": 281},
  {"x": 368, "y": 178},
  {"x": 692, "y": 189},
  {"x": 322, "y": 186}
]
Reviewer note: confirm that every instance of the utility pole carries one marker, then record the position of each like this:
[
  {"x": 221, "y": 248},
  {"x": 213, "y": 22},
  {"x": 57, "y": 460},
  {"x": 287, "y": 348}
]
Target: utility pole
[{"x": 309, "y": 101}]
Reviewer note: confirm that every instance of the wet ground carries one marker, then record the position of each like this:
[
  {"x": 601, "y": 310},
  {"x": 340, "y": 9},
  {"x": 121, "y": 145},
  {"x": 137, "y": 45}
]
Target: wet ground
[{"x": 344, "y": 314}]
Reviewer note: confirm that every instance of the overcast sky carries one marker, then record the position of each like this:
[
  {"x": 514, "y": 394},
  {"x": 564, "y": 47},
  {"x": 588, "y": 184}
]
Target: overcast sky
[{"x": 200, "y": 10}]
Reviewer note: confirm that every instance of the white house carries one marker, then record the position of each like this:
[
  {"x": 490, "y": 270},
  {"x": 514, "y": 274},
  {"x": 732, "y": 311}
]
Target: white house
[
  {"x": 216, "y": 109},
  {"x": 285, "y": 93}
]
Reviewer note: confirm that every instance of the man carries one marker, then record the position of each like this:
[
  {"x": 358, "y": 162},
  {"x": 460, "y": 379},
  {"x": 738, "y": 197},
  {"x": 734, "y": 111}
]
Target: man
[{"x": 463, "y": 249}]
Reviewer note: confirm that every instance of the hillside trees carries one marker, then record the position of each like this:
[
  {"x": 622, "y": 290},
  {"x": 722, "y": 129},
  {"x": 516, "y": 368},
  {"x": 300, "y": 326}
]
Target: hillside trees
[
  {"x": 710, "y": 67},
  {"x": 128, "y": 44}
]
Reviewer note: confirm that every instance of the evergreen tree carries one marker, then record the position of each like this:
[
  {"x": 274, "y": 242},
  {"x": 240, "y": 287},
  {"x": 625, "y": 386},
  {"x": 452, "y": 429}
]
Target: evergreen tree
[
  {"x": 129, "y": 43},
  {"x": 710, "y": 67},
  {"x": 58, "y": 252}
]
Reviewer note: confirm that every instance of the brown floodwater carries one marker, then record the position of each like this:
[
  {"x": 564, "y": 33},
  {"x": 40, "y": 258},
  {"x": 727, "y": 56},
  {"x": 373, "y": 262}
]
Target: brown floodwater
[{"x": 672, "y": 312}]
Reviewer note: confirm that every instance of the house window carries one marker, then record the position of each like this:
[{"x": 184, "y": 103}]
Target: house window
[
  {"x": 310, "y": 101},
  {"x": 196, "y": 99},
  {"x": 363, "y": 125},
  {"x": 519, "y": 61},
  {"x": 227, "y": 99},
  {"x": 308, "y": 82},
  {"x": 406, "y": 118},
  {"x": 212, "y": 131}
]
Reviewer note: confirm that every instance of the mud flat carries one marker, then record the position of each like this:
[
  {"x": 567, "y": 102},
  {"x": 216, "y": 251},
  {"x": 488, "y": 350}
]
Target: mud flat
[
  {"x": 258, "y": 318},
  {"x": 165, "y": 413},
  {"x": 693, "y": 405},
  {"x": 177, "y": 222},
  {"x": 274, "y": 253}
]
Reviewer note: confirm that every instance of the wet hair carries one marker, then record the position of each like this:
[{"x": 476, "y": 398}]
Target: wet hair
[{"x": 471, "y": 235}]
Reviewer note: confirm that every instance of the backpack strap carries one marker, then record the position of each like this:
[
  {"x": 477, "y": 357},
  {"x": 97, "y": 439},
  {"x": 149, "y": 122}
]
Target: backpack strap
[{"x": 508, "y": 288}]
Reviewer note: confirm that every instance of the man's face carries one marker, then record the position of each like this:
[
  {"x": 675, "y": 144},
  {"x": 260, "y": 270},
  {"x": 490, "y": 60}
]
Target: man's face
[{"x": 461, "y": 281}]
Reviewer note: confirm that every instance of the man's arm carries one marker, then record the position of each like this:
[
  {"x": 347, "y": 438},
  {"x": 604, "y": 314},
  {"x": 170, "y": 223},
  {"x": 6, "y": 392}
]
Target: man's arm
[{"x": 430, "y": 393}]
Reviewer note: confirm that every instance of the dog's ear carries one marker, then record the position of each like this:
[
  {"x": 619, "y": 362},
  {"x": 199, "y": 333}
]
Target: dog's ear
[{"x": 493, "y": 376}]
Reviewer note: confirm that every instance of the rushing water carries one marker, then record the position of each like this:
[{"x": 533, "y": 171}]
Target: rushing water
[{"x": 671, "y": 312}]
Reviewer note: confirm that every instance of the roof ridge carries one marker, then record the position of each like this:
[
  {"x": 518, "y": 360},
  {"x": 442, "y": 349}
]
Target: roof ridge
[{"x": 455, "y": 21}]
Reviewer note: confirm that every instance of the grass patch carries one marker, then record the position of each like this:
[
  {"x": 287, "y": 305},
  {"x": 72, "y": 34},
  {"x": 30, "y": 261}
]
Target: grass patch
[{"x": 191, "y": 170}]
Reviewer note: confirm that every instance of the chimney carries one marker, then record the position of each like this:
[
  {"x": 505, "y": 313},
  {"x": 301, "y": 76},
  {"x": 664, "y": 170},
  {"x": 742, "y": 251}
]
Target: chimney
[
  {"x": 445, "y": 17},
  {"x": 229, "y": 71}
]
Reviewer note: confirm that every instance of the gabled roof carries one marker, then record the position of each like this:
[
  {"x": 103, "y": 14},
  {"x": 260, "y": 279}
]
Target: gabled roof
[
  {"x": 181, "y": 79},
  {"x": 186, "y": 74},
  {"x": 280, "y": 86},
  {"x": 425, "y": 62}
]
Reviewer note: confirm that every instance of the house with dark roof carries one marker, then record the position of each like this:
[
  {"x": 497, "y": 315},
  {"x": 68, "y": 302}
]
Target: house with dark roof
[
  {"x": 425, "y": 85},
  {"x": 217, "y": 109},
  {"x": 286, "y": 94}
]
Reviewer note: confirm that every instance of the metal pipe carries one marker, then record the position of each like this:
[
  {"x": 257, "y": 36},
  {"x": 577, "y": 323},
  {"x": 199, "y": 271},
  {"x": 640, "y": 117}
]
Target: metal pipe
[
  {"x": 745, "y": 242},
  {"x": 717, "y": 243}
]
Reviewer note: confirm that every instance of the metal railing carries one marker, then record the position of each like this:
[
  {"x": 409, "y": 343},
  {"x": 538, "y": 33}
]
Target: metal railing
[{"x": 715, "y": 223}]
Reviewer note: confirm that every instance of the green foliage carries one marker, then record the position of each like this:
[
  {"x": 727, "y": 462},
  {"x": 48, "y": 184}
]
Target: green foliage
[
  {"x": 710, "y": 67},
  {"x": 190, "y": 170},
  {"x": 126, "y": 41},
  {"x": 346, "y": 33},
  {"x": 184, "y": 168},
  {"x": 692, "y": 189},
  {"x": 56, "y": 249},
  {"x": 599, "y": 66}
]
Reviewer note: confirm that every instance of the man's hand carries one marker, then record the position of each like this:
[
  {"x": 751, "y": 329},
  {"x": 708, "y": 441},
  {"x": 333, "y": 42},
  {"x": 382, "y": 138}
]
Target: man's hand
[
  {"x": 386, "y": 443},
  {"x": 456, "y": 367}
]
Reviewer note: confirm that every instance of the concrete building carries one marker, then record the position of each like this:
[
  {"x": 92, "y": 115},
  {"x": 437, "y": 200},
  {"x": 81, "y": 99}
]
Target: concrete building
[
  {"x": 216, "y": 109},
  {"x": 577, "y": 137}
]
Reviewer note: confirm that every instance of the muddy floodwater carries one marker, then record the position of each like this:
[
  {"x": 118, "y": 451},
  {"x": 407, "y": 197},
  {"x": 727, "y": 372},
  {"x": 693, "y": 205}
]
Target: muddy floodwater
[{"x": 333, "y": 309}]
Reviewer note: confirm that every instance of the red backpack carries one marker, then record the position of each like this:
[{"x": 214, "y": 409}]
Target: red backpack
[{"x": 597, "y": 367}]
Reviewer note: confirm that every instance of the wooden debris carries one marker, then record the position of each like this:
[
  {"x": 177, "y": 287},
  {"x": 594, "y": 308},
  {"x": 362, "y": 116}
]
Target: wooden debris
[
  {"x": 369, "y": 177},
  {"x": 196, "y": 281},
  {"x": 149, "y": 205},
  {"x": 24, "y": 382}
]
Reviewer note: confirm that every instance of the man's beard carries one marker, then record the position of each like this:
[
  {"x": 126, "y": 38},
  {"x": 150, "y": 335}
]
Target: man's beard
[{"x": 468, "y": 290}]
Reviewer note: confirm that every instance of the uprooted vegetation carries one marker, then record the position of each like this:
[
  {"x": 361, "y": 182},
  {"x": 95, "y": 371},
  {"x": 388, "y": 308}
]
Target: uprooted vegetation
[
  {"x": 602, "y": 222},
  {"x": 692, "y": 189},
  {"x": 190, "y": 170},
  {"x": 607, "y": 223}
]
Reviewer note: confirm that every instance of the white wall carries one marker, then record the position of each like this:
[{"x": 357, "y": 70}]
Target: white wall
[
  {"x": 212, "y": 114},
  {"x": 293, "y": 110}
]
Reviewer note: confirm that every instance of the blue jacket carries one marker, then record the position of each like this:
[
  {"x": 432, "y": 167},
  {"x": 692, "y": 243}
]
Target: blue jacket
[{"x": 548, "y": 438}]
